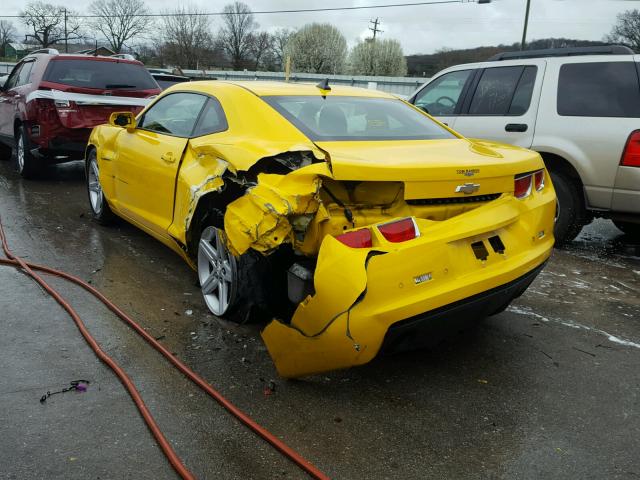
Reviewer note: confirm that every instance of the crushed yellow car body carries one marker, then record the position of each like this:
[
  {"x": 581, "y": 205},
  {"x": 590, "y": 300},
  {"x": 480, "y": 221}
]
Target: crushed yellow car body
[{"x": 358, "y": 221}]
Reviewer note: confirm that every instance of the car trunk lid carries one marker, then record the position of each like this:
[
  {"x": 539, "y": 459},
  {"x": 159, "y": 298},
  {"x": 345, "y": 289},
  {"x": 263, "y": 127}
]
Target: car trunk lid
[{"x": 433, "y": 169}]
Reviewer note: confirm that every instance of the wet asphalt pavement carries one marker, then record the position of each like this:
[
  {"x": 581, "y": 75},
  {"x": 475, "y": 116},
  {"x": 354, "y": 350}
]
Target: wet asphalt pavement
[{"x": 548, "y": 389}]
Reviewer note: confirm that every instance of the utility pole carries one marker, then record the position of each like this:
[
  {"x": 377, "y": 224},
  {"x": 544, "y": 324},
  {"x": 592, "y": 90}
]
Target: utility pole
[
  {"x": 526, "y": 22},
  {"x": 66, "y": 34},
  {"x": 375, "y": 28}
]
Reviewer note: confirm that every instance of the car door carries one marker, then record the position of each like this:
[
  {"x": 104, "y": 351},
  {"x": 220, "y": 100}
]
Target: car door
[
  {"x": 7, "y": 103},
  {"x": 442, "y": 97},
  {"x": 502, "y": 103},
  {"x": 148, "y": 159}
]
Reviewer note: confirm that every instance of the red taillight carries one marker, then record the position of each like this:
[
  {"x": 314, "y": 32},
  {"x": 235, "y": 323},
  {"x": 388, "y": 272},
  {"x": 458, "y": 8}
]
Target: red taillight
[
  {"x": 400, "y": 230},
  {"x": 522, "y": 186},
  {"x": 631, "y": 154},
  {"x": 538, "y": 180},
  {"x": 357, "y": 238}
]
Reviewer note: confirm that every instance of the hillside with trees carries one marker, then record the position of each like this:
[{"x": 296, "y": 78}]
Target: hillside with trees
[{"x": 427, "y": 65}]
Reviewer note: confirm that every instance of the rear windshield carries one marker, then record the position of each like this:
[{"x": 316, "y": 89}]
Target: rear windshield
[
  {"x": 100, "y": 74},
  {"x": 356, "y": 118}
]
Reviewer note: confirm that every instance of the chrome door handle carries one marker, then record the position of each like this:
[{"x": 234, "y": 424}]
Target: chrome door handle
[{"x": 168, "y": 157}]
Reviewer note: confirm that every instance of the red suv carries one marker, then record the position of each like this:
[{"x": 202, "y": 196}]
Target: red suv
[{"x": 51, "y": 101}]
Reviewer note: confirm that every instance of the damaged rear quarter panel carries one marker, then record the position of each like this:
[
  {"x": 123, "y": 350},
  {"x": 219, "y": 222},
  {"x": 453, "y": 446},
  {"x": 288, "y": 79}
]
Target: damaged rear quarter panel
[
  {"x": 251, "y": 137},
  {"x": 261, "y": 219}
]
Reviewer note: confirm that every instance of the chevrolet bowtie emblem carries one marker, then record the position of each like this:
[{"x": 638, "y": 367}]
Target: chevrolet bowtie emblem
[{"x": 468, "y": 188}]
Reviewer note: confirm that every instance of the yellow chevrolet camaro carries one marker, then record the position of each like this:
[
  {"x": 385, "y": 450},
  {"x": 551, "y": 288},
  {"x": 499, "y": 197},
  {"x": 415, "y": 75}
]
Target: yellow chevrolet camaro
[{"x": 354, "y": 220}]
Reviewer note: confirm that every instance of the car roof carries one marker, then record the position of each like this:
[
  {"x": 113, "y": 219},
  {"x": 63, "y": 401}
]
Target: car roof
[
  {"x": 81, "y": 56},
  {"x": 266, "y": 88}
]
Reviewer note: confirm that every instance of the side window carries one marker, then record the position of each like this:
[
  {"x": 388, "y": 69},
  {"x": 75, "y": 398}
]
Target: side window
[
  {"x": 12, "y": 81},
  {"x": 495, "y": 90},
  {"x": 599, "y": 89},
  {"x": 176, "y": 114},
  {"x": 441, "y": 96},
  {"x": 522, "y": 98},
  {"x": 212, "y": 119},
  {"x": 25, "y": 73}
]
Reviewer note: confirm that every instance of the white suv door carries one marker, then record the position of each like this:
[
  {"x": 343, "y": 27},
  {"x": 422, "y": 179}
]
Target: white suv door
[
  {"x": 502, "y": 102},
  {"x": 442, "y": 97}
]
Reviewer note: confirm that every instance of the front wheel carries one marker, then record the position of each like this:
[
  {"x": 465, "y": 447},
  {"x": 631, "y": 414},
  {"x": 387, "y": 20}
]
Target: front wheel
[
  {"x": 631, "y": 229},
  {"x": 100, "y": 210}
]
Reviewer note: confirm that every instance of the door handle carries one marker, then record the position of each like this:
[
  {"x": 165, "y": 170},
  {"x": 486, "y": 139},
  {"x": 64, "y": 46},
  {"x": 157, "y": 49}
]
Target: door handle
[
  {"x": 516, "y": 127},
  {"x": 168, "y": 157}
]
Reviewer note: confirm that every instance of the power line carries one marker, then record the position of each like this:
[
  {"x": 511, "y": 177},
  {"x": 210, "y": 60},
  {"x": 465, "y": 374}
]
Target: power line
[{"x": 266, "y": 12}]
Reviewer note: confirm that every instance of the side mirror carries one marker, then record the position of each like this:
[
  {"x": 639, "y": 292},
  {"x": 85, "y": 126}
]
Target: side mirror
[{"x": 123, "y": 119}]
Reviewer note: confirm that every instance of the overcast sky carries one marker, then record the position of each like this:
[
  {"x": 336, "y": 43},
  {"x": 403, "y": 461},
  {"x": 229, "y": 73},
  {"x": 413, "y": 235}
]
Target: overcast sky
[{"x": 425, "y": 29}]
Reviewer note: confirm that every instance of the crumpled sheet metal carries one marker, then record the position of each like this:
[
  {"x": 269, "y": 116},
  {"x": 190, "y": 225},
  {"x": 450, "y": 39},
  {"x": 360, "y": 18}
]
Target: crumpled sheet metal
[
  {"x": 213, "y": 182},
  {"x": 261, "y": 218},
  {"x": 323, "y": 335}
]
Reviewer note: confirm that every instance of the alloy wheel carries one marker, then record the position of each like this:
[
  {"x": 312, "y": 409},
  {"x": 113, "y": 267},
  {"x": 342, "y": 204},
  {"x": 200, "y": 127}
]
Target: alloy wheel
[
  {"x": 20, "y": 153},
  {"x": 95, "y": 190},
  {"x": 217, "y": 271}
]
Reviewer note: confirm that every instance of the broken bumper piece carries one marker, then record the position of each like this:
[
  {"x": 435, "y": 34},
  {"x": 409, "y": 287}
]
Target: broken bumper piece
[{"x": 362, "y": 293}]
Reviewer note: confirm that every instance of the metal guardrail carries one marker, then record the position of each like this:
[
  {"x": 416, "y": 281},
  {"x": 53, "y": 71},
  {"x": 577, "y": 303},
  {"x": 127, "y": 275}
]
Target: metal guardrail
[
  {"x": 6, "y": 67},
  {"x": 397, "y": 85}
]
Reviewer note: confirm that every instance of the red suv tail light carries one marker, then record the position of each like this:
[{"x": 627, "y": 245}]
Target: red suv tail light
[
  {"x": 400, "y": 230},
  {"x": 631, "y": 153},
  {"x": 357, "y": 238}
]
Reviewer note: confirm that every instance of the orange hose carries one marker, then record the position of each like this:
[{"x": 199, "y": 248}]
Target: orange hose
[{"x": 168, "y": 451}]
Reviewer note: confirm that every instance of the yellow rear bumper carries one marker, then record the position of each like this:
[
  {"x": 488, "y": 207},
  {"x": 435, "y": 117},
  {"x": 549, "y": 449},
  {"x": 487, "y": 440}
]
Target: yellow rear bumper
[{"x": 361, "y": 293}]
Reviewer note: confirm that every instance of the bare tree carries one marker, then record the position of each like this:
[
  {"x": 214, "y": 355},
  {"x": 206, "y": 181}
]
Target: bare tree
[
  {"x": 281, "y": 38},
  {"x": 120, "y": 20},
  {"x": 187, "y": 36},
  {"x": 627, "y": 30},
  {"x": 47, "y": 22},
  {"x": 378, "y": 57},
  {"x": 261, "y": 48},
  {"x": 236, "y": 33},
  {"x": 318, "y": 48},
  {"x": 7, "y": 33}
]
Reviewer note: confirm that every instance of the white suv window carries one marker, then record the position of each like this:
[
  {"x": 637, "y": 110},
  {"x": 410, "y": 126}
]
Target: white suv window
[
  {"x": 441, "y": 96},
  {"x": 599, "y": 89},
  {"x": 503, "y": 91}
]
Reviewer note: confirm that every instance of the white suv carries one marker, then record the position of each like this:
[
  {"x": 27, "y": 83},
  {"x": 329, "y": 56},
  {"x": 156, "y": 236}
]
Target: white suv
[{"x": 578, "y": 107}]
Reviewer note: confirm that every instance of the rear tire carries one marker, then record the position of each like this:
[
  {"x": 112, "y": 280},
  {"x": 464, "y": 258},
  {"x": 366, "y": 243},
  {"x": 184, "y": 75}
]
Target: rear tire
[
  {"x": 571, "y": 214},
  {"x": 231, "y": 286},
  {"x": 27, "y": 165},
  {"x": 100, "y": 210},
  {"x": 631, "y": 229},
  {"x": 5, "y": 152}
]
